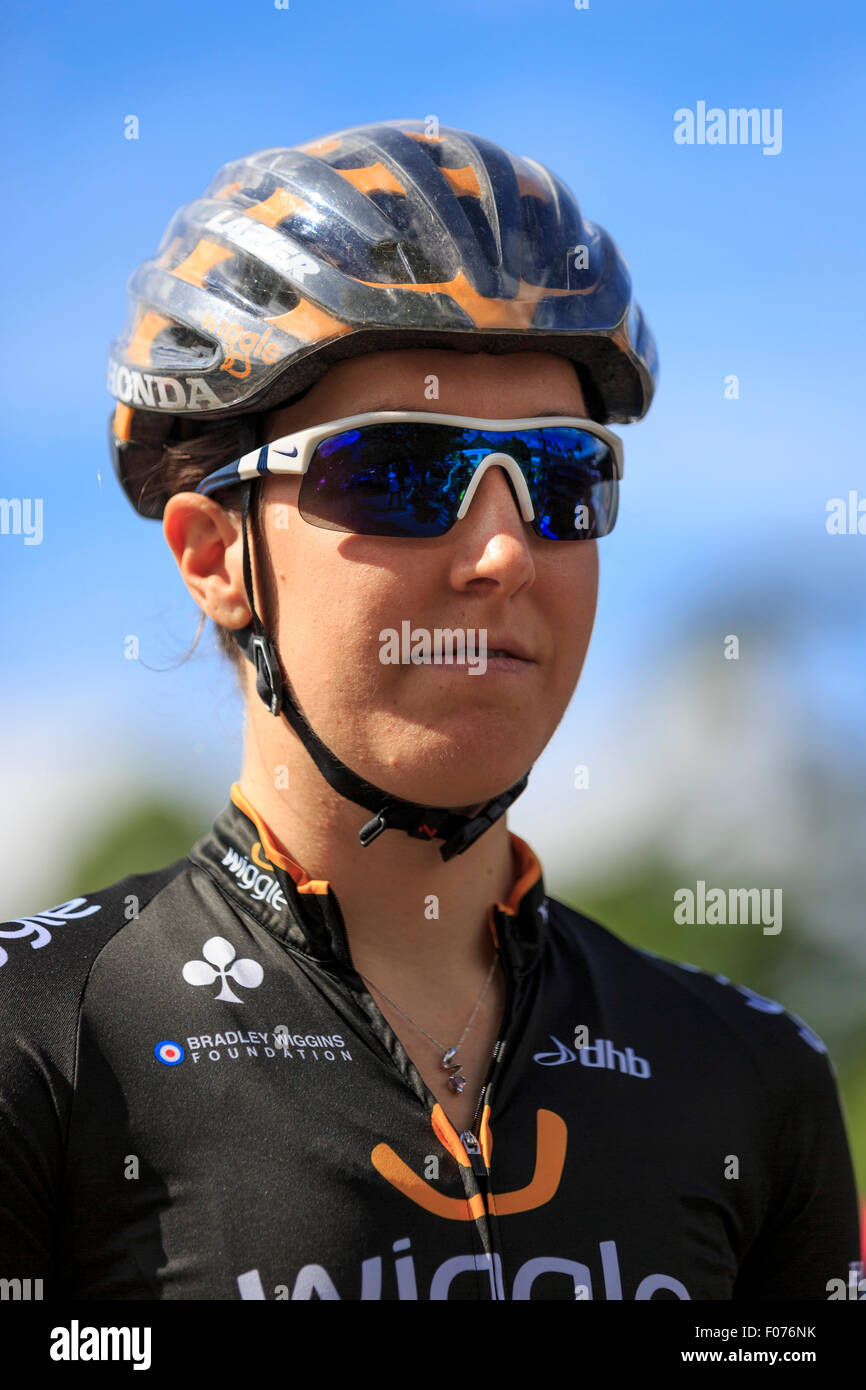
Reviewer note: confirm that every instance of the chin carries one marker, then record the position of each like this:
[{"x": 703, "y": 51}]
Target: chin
[
  {"x": 458, "y": 793},
  {"x": 443, "y": 768}
]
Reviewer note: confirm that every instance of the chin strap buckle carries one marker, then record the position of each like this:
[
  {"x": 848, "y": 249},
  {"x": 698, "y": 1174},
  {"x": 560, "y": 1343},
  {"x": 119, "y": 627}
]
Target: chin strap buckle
[
  {"x": 373, "y": 828},
  {"x": 402, "y": 816},
  {"x": 467, "y": 834},
  {"x": 269, "y": 680}
]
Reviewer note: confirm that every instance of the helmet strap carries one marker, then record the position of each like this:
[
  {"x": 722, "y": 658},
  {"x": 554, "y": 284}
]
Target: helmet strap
[{"x": 390, "y": 812}]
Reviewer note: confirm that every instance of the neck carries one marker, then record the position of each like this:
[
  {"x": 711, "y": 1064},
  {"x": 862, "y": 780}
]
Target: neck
[{"x": 434, "y": 919}]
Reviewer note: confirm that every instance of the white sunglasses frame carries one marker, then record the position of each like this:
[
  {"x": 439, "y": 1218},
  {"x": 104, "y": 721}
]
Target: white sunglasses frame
[{"x": 275, "y": 458}]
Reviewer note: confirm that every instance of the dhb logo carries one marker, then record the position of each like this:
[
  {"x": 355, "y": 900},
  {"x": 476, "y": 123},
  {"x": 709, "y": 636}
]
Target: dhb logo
[{"x": 598, "y": 1054}]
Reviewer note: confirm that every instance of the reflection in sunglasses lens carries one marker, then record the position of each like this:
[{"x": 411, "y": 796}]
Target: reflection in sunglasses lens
[{"x": 405, "y": 480}]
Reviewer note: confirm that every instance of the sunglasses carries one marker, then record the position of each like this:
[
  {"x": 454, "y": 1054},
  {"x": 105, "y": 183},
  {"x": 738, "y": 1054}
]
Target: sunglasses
[{"x": 413, "y": 474}]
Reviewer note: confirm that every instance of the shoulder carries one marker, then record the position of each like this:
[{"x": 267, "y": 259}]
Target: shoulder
[
  {"x": 727, "y": 1025},
  {"x": 72, "y": 932},
  {"x": 47, "y": 955}
]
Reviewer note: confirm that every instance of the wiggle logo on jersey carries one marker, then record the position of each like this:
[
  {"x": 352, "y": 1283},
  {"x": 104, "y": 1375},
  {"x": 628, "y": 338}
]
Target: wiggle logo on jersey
[
  {"x": 38, "y": 923},
  {"x": 256, "y": 876},
  {"x": 314, "y": 1281},
  {"x": 550, "y": 1145}
]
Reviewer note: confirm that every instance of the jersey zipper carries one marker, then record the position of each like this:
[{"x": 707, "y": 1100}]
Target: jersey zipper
[{"x": 469, "y": 1137}]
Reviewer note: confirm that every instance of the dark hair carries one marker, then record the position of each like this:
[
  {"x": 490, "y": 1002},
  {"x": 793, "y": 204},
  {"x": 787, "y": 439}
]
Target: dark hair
[{"x": 591, "y": 398}]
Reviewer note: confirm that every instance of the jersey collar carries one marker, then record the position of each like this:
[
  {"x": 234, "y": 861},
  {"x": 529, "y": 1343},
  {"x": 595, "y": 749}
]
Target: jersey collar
[{"x": 241, "y": 856}]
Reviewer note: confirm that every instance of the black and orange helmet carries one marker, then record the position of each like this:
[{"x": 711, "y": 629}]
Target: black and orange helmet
[{"x": 380, "y": 236}]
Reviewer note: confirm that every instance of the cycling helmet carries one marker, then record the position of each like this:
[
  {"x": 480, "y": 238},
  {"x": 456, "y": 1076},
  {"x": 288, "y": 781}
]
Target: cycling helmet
[{"x": 388, "y": 235}]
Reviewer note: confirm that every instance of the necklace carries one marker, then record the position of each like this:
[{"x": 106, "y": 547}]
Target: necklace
[{"x": 456, "y": 1080}]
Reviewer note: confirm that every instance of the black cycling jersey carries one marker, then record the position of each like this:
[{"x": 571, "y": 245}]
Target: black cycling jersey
[{"x": 200, "y": 1100}]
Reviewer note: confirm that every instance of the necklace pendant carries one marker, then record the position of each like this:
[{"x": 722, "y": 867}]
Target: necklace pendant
[{"x": 456, "y": 1080}]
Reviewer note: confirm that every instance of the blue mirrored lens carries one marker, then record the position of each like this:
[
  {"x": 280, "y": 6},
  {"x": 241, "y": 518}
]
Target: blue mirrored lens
[{"x": 408, "y": 479}]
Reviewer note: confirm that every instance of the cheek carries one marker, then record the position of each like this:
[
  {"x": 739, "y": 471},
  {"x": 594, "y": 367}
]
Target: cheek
[
  {"x": 589, "y": 584},
  {"x": 330, "y": 608},
  {"x": 573, "y": 595}
]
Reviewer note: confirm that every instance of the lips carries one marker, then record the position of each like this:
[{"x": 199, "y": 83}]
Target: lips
[{"x": 508, "y": 648}]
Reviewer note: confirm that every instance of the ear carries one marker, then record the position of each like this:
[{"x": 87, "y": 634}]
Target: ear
[{"x": 207, "y": 544}]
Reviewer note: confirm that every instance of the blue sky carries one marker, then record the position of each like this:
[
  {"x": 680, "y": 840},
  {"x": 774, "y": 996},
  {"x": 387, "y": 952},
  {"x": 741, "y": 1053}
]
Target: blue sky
[{"x": 744, "y": 263}]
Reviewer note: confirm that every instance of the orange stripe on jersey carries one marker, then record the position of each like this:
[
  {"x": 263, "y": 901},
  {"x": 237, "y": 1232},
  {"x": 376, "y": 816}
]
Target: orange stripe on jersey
[
  {"x": 527, "y": 871},
  {"x": 550, "y": 1146},
  {"x": 485, "y": 1136},
  {"x": 393, "y": 1169},
  {"x": 447, "y": 1135},
  {"x": 275, "y": 855}
]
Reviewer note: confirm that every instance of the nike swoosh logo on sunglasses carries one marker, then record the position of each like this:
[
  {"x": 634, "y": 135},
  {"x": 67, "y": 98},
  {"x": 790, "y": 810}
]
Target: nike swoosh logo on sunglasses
[{"x": 289, "y": 453}]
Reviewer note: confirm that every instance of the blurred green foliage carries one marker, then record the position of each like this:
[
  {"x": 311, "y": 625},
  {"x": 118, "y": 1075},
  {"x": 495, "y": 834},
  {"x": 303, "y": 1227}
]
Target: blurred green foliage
[{"x": 148, "y": 835}]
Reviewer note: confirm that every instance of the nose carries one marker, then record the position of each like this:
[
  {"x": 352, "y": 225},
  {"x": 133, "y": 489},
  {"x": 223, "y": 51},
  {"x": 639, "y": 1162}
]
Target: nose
[
  {"x": 496, "y": 549},
  {"x": 513, "y": 478}
]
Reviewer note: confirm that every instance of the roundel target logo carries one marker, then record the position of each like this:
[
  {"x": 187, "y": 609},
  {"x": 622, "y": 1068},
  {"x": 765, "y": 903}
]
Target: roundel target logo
[{"x": 169, "y": 1053}]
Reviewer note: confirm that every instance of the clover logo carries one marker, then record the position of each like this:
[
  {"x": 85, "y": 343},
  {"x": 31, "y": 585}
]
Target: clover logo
[{"x": 218, "y": 954}]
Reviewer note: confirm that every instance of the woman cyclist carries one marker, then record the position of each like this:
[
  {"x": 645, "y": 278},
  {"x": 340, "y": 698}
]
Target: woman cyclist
[{"x": 348, "y": 1047}]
